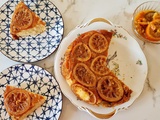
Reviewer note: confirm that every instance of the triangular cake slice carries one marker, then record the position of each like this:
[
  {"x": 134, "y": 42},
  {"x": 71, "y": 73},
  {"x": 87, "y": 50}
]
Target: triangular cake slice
[
  {"x": 19, "y": 103},
  {"x": 25, "y": 22}
]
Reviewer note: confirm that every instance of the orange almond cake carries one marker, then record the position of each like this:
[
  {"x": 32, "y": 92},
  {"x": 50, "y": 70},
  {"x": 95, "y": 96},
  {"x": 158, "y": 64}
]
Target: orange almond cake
[
  {"x": 25, "y": 22},
  {"x": 19, "y": 103},
  {"x": 85, "y": 70}
]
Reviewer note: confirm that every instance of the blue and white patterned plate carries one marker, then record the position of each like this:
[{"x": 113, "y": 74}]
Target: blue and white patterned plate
[
  {"x": 37, "y": 80},
  {"x": 32, "y": 48}
]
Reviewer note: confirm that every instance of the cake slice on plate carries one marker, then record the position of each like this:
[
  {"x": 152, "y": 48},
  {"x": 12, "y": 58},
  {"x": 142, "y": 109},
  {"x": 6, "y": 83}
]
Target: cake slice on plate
[
  {"x": 25, "y": 22},
  {"x": 19, "y": 103}
]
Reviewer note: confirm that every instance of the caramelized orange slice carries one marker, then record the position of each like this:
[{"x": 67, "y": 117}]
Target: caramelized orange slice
[
  {"x": 17, "y": 102},
  {"x": 98, "y": 43},
  {"x": 81, "y": 52},
  {"x": 156, "y": 16},
  {"x": 153, "y": 30},
  {"x": 110, "y": 89},
  {"x": 149, "y": 15},
  {"x": 99, "y": 65},
  {"x": 84, "y": 93},
  {"x": 84, "y": 75}
]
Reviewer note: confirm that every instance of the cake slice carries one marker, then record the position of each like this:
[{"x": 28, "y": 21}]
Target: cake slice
[
  {"x": 19, "y": 103},
  {"x": 25, "y": 22}
]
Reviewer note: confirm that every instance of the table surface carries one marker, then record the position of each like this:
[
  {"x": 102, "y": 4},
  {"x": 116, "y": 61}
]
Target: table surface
[{"x": 76, "y": 12}]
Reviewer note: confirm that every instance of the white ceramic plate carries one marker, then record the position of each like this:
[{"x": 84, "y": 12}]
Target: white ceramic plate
[
  {"x": 129, "y": 65},
  {"x": 31, "y": 48},
  {"x": 37, "y": 80}
]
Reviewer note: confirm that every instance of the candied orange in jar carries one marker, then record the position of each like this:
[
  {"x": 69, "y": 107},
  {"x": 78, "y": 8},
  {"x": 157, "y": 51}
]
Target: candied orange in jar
[{"x": 147, "y": 24}]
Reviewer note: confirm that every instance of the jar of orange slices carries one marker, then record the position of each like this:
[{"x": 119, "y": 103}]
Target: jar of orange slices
[{"x": 146, "y": 21}]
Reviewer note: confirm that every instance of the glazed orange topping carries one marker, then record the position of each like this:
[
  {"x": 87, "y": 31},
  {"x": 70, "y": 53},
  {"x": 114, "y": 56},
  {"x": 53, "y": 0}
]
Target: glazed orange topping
[
  {"x": 153, "y": 30},
  {"x": 98, "y": 65},
  {"x": 84, "y": 75},
  {"x": 82, "y": 52},
  {"x": 110, "y": 88},
  {"x": 147, "y": 24},
  {"x": 85, "y": 70},
  {"x": 98, "y": 43},
  {"x": 17, "y": 102}
]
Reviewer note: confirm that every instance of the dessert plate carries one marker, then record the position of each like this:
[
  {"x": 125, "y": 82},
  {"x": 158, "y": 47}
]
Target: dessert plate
[
  {"x": 126, "y": 60},
  {"x": 37, "y": 80},
  {"x": 32, "y": 48}
]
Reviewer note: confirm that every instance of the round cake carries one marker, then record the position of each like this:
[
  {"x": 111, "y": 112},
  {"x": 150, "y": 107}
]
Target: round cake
[{"x": 85, "y": 70}]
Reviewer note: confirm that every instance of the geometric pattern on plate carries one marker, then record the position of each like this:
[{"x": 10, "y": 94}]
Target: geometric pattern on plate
[
  {"x": 37, "y": 80},
  {"x": 31, "y": 48}
]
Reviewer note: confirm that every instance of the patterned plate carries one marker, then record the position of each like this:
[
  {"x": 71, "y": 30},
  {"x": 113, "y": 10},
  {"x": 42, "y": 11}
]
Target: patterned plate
[
  {"x": 34, "y": 79},
  {"x": 31, "y": 49},
  {"x": 125, "y": 58}
]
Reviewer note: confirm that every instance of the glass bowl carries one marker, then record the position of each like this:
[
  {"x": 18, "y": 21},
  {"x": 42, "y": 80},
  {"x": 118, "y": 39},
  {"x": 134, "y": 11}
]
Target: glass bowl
[{"x": 146, "y": 21}]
